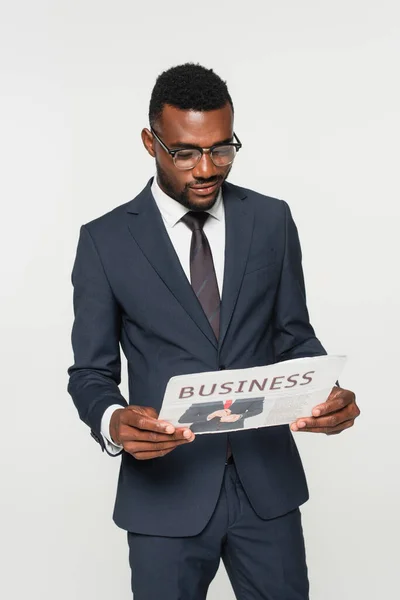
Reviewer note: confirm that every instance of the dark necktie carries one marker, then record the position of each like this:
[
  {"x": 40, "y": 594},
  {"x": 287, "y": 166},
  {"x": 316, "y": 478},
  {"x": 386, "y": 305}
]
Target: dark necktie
[
  {"x": 202, "y": 275},
  {"x": 202, "y": 272}
]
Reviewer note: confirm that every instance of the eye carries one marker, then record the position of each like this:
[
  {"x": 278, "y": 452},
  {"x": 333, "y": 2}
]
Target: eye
[
  {"x": 223, "y": 151},
  {"x": 187, "y": 154}
]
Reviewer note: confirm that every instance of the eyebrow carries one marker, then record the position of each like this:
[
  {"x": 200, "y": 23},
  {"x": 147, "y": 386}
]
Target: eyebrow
[{"x": 176, "y": 145}]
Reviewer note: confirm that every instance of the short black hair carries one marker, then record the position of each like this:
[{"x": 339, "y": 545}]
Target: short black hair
[{"x": 188, "y": 87}]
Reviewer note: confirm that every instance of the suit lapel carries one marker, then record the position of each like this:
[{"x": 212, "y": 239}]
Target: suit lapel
[
  {"x": 147, "y": 228},
  {"x": 239, "y": 229}
]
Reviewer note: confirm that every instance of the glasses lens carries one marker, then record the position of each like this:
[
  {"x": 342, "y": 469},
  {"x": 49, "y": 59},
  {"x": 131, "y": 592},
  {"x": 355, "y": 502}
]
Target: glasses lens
[
  {"x": 223, "y": 155},
  {"x": 187, "y": 159}
]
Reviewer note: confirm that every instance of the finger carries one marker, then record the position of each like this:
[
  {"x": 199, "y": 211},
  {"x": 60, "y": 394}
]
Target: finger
[
  {"x": 141, "y": 420},
  {"x": 320, "y": 422},
  {"x": 149, "y": 411},
  {"x": 336, "y": 401},
  {"x": 132, "y": 434},
  {"x": 341, "y": 427},
  {"x": 346, "y": 412},
  {"x": 327, "y": 429},
  {"x": 134, "y": 447}
]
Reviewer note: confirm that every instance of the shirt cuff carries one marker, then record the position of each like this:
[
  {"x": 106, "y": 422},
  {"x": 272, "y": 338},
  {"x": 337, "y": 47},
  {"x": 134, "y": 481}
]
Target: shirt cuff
[{"x": 111, "y": 446}]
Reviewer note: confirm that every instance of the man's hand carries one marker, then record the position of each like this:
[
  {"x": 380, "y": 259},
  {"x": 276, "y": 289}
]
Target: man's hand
[
  {"x": 219, "y": 413},
  {"x": 230, "y": 418},
  {"x": 142, "y": 435},
  {"x": 333, "y": 416}
]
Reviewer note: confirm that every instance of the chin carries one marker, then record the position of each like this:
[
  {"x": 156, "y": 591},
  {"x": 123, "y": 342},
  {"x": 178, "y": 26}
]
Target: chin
[{"x": 204, "y": 203}]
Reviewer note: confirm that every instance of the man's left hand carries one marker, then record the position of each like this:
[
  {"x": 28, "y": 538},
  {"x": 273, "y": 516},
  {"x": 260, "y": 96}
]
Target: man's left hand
[
  {"x": 333, "y": 416},
  {"x": 230, "y": 418}
]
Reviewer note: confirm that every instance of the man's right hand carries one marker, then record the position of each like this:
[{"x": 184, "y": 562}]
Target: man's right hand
[
  {"x": 224, "y": 412},
  {"x": 142, "y": 435}
]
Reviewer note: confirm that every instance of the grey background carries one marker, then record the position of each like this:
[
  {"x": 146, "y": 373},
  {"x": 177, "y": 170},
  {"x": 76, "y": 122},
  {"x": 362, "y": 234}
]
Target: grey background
[{"x": 318, "y": 83}]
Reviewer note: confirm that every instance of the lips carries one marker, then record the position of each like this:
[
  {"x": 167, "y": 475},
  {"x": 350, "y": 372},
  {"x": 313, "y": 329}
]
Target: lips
[{"x": 205, "y": 190}]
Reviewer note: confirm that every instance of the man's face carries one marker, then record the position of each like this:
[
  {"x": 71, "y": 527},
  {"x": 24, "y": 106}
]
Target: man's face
[{"x": 188, "y": 127}]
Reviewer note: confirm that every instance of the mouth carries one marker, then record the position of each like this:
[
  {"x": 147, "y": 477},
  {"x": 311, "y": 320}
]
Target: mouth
[{"x": 201, "y": 190}]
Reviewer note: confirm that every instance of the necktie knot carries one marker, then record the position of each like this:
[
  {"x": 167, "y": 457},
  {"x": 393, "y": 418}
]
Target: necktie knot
[{"x": 195, "y": 220}]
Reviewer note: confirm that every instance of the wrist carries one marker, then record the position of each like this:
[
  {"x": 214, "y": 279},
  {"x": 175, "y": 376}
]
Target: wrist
[{"x": 114, "y": 426}]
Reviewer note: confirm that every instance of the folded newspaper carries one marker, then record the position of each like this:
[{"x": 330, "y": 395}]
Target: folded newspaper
[{"x": 231, "y": 400}]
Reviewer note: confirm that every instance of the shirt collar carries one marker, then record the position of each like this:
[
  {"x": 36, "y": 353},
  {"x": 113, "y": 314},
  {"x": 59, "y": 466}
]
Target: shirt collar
[{"x": 172, "y": 212}]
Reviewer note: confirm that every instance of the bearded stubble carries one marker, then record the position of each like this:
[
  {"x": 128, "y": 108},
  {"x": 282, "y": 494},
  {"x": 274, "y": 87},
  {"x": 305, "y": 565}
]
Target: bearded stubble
[{"x": 183, "y": 196}]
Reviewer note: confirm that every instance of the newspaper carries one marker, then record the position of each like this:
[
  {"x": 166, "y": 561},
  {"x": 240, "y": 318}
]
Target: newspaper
[{"x": 231, "y": 400}]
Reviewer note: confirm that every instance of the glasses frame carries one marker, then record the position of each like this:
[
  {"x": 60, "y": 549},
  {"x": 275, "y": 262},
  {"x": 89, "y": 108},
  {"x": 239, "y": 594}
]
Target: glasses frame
[{"x": 172, "y": 153}]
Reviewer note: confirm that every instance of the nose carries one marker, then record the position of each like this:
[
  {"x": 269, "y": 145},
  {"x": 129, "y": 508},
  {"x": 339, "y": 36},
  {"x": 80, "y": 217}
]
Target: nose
[{"x": 205, "y": 168}]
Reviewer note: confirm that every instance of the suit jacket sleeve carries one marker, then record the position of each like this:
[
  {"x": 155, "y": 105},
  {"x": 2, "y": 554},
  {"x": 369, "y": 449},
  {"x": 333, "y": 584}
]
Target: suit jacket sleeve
[
  {"x": 96, "y": 373},
  {"x": 253, "y": 409},
  {"x": 294, "y": 335},
  {"x": 248, "y": 408}
]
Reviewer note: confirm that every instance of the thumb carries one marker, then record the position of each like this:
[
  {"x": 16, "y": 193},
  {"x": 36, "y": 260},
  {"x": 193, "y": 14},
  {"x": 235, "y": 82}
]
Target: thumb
[
  {"x": 336, "y": 391},
  {"x": 148, "y": 411}
]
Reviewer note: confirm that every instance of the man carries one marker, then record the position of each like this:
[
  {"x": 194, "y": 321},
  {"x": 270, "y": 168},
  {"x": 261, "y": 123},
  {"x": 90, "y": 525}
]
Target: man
[
  {"x": 196, "y": 274},
  {"x": 221, "y": 416}
]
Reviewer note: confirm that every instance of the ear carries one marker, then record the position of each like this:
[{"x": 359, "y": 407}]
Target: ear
[{"x": 148, "y": 141}]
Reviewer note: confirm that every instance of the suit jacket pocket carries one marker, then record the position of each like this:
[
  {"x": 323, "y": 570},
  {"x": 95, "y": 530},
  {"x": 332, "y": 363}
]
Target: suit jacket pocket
[{"x": 253, "y": 267}]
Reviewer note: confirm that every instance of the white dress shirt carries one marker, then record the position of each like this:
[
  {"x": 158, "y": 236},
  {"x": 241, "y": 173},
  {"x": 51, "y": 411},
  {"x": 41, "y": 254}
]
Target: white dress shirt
[{"x": 181, "y": 236}]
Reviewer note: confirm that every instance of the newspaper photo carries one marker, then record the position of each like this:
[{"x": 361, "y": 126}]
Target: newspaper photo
[{"x": 231, "y": 400}]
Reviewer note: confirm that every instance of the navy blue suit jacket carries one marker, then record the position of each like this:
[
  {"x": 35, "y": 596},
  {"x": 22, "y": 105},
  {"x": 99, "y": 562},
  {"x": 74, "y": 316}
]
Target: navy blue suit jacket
[{"x": 130, "y": 290}]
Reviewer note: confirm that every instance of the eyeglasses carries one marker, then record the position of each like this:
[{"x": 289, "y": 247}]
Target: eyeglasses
[{"x": 222, "y": 155}]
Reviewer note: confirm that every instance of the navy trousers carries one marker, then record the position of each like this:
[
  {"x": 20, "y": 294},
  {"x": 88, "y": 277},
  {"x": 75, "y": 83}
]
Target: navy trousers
[{"x": 264, "y": 559}]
